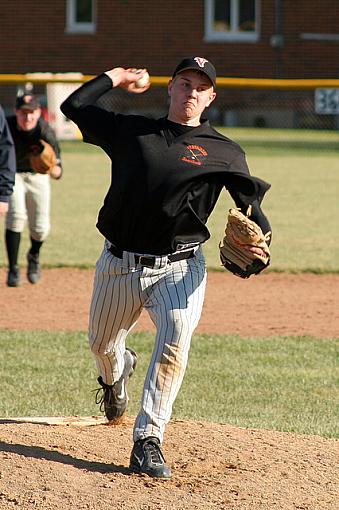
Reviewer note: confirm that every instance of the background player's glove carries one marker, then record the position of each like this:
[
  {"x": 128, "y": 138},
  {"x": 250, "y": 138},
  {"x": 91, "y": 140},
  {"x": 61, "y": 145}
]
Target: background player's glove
[
  {"x": 240, "y": 233},
  {"x": 42, "y": 157}
]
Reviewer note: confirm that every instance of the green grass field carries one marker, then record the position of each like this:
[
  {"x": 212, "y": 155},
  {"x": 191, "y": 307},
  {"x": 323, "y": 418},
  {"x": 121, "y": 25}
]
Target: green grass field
[
  {"x": 282, "y": 383},
  {"x": 288, "y": 384},
  {"x": 302, "y": 205}
]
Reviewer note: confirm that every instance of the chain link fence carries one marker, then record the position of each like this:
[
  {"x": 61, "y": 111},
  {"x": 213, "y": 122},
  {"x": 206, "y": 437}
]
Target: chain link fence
[{"x": 304, "y": 106}]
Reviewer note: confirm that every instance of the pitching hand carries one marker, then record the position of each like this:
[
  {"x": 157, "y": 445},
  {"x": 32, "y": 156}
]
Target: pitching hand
[{"x": 127, "y": 78}]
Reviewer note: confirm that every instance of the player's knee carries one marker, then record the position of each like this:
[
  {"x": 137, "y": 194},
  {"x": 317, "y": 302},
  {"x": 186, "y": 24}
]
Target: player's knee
[
  {"x": 173, "y": 355},
  {"x": 40, "y": 233},
  {"x": 97, "y": 348},
  {"x": 15, "y": 223}
]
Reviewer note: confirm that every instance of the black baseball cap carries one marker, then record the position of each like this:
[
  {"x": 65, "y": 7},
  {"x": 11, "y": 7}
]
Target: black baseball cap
[
  {"x": 198, "y": 64},
  {"x": 27, "y": 102}
]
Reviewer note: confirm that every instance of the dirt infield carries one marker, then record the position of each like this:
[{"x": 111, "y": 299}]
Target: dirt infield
[
  {"x": 72, "y": 466},
  {"x": 271, "y": 304}
]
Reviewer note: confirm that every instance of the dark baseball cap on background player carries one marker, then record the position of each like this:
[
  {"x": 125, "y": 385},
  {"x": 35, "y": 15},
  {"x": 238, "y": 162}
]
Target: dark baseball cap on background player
[
  {"x": 198, "y": 64},
  {"x": 27, "y": 102}
]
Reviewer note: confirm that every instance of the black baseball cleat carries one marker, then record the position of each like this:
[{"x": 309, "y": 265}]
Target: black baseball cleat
[
  {"x": 13, "y": 277},
  {"x": 114, "y": 398},
  {"x": 33, "y": 268},
  {"x": 146, "y": 457}
]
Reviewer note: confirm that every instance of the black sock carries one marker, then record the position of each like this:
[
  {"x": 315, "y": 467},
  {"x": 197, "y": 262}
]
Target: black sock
[
  {"x": 35, "y": 248},
  {"x": 12, "y": 245}
]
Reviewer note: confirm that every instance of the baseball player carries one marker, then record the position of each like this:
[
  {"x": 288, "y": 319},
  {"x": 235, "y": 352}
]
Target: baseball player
[
  {"x": 32, "y": 194},
  {"x": 7, "y": 164},
  {"x": 167, "y": 175}
]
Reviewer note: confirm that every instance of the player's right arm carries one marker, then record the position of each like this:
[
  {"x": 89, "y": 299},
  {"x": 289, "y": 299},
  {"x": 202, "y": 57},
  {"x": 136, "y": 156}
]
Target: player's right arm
[{"x": 96, "y": 123}]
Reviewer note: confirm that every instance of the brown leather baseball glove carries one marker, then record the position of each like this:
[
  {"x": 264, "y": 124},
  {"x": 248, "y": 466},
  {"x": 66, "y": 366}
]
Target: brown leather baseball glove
[
  {"x": 42, "y": 157},
  {"x": 240, "y": 234}
]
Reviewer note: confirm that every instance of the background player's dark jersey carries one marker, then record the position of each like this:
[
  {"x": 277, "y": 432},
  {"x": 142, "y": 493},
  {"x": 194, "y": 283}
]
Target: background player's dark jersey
[{"x": 24, "y": 140}]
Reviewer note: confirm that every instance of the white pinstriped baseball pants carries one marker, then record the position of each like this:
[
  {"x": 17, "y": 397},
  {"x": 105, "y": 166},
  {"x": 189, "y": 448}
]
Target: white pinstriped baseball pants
[{"x": 173, "y": 295}]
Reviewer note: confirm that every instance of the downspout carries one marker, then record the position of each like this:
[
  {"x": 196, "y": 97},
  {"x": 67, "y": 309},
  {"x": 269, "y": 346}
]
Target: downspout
[{"x": 277, "y": 40}]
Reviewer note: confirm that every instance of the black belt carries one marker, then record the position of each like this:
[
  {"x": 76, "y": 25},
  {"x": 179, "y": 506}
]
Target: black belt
[{"x": 150, "y": 260}]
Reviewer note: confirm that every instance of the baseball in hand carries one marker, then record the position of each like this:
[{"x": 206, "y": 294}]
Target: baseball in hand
[{"x": 143, "y": 81}]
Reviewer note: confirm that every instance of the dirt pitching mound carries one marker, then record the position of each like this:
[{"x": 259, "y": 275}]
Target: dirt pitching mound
[{"x": 215, "y": 467}]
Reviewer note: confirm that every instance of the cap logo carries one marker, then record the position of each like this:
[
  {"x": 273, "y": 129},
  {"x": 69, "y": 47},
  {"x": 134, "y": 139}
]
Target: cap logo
[{"x": 200, "y": 61}]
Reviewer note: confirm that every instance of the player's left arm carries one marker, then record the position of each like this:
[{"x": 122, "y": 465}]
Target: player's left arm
[
  {"x": 245, "y": 196},
  {"x": 248, "y": 192},
  {"x": 257, "y": 215},
  {"x": 48, "y": 134}
]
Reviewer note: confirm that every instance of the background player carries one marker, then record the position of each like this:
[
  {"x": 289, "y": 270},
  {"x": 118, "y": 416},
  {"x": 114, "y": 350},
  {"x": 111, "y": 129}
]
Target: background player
[
  {"x": 167, "y": 175},
  {"x": 7, "y": 164},
  {"x": 32, "y": 193}
]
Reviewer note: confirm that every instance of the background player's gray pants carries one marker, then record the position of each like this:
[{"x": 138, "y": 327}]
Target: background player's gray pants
[
  {"x": 31, "y": 199},
  {"x": 173, "y": 295}
]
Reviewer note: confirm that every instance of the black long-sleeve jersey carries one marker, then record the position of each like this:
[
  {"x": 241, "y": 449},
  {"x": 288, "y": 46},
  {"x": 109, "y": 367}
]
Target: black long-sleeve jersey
[
  {"x": 7, "y": 160},
  {"x": 24, "y": 140},
  {"x": 165, "y": 179}
]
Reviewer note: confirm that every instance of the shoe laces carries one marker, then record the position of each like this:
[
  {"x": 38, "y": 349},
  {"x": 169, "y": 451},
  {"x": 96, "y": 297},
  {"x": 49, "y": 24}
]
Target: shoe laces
[
  {"x": 153, "y": 450},
  {"x": 104, "y": 395}
]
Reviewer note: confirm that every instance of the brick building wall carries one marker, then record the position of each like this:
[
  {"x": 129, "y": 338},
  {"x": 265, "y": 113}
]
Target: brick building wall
[{"x": 156, "y": 33}]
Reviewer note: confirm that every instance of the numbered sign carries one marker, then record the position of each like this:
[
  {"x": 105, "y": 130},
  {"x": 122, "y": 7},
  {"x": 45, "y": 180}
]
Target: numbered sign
[{"x": 326, "y": 101}]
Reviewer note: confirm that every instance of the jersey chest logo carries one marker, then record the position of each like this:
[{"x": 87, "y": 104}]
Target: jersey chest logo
[{"x": 195, "y": 155}]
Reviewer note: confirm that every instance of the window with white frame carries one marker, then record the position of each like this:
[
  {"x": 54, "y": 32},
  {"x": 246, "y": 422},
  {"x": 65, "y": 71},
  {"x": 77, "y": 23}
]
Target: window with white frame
[
  {"x": 232, "y": 20},
  {"x": 81, "y": 16}
]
